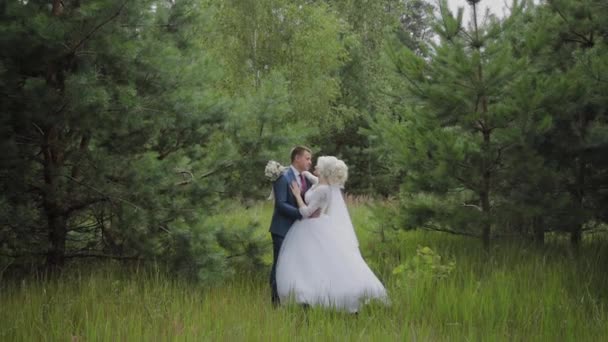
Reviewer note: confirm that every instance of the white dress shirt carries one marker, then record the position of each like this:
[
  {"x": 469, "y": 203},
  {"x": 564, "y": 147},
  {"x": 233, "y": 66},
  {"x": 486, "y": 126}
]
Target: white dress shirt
[{"x": 297, "y": 174}]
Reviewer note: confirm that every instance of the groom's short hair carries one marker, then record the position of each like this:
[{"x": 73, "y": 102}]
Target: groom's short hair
[{"x": 299, "y": 150}]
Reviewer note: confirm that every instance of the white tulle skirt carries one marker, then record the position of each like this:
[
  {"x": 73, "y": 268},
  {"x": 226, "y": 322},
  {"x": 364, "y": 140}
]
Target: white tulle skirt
[{"x": 318, "y": 268}]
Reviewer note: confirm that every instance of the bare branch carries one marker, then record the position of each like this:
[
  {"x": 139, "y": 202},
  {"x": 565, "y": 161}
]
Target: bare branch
[
  {"x": 38, "y": 128},
  {"x": 84, "y": 204},
  {"x": 99, "y": 26},
  {"x": 220, "y": 168},
  {"x": 585, "y": 40},
  {"x": 102, "y": 193},
  {"x": 450, "y": 231},
  {"x": 103, "y": 256},
  {"x": 472, "y": 206},
  {"x": 467, "y": 183}
]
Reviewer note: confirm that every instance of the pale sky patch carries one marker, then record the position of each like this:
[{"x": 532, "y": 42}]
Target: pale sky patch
[{"x": 500, "y": 8}]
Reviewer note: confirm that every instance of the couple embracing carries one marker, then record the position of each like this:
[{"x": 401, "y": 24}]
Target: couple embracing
[{"x": 316, "y": 257}]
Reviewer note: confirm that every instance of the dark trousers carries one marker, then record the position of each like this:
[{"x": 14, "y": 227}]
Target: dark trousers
[{"x": 277, "y": 241}]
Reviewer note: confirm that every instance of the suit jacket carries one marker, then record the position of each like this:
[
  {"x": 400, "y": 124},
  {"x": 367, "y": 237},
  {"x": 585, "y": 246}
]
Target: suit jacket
[{"x": 285, "y": 205}]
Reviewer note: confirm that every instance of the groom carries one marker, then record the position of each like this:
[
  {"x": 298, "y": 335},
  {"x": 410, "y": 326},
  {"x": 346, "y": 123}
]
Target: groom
[{"x": 285, "y": 206}]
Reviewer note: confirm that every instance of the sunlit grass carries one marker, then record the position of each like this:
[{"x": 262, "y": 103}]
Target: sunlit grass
[{"x": 517, "y": 293}]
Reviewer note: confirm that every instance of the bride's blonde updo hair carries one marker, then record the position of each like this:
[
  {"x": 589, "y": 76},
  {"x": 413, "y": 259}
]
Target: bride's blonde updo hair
[{"x": 333, "y": 170}]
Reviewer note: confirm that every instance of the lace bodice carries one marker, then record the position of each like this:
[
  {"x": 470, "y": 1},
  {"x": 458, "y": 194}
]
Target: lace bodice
[{"x": 316, "y": 198}]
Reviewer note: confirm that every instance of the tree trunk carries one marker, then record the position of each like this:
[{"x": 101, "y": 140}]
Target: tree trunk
[
  {"x": 55, "y": 258},
  {"x": 52, "y": 150},
  {"x": 539, "y": 231},
  {"x": 57, "y": 7},
  {"x": 485, "y": 208},
  {"x": 576, "y": 234},
  {"x": 486, "y": 183},
  {"x": 485, "y": 194},
  {"x": 56, "y": 224},
  {"x": 53, "y": 208}
]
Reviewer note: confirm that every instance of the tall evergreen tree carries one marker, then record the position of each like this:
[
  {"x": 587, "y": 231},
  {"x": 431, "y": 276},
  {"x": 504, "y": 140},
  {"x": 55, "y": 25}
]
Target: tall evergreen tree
[
  {"x": 567, "y": 43},
  {"x": 461, "y": 126},
  {"x": 108, "y": 107}
]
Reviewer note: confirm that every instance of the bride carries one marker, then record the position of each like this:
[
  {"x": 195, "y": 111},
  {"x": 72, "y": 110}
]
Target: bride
[{"x": 319, "y": 263}]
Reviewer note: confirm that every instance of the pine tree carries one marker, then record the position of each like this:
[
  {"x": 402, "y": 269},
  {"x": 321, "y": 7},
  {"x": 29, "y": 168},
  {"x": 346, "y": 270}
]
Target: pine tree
[
  {"x": 109, "y": 107},
  {"x": 461, "y": 126},
  {"x": 567, "y": 43}
]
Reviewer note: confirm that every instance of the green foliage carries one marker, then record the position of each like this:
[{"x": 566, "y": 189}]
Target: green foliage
[
  {"x": 126, "y": 126},
  {"x": 245, "y": 247},
  {"x": 565, "y": 53},
  {"x": 427, "y": 264},
  {"x": 493, "y": 131},
  {"x": 457, "y": 127},
  {"x": 195, "y": 254},
  {"x": 280, "y": 61},
  {"x": 112, "y": 122}
]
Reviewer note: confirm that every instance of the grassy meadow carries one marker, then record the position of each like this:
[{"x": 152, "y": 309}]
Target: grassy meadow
[{"x": 516, "y": 293}]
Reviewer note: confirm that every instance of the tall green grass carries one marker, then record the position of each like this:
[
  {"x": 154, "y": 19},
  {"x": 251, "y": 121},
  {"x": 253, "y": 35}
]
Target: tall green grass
[{"x": 515, "y": 293}]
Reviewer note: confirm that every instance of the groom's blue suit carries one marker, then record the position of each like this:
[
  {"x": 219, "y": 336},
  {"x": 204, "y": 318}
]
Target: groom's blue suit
[{"x": 285, "y": 214}]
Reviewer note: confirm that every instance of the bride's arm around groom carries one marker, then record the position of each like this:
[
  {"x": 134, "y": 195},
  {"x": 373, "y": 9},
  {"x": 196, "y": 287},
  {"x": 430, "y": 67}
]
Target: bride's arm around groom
[
  {"x": 314, "y": 180},
  {"x": 318, "y": 201}
]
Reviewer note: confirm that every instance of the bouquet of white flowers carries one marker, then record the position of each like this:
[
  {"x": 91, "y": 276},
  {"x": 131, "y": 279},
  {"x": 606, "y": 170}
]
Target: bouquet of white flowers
[{"x": 274, "y": 170}]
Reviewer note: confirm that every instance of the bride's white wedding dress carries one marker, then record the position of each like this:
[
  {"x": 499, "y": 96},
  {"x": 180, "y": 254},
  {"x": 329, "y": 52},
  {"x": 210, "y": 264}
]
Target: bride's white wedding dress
[{"x": 320, "y": 263}]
